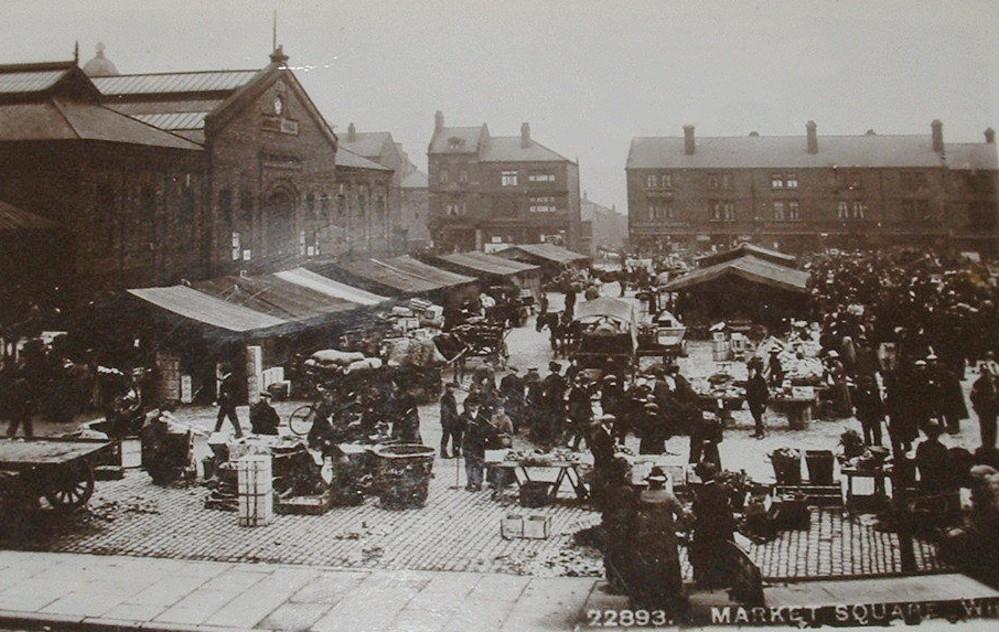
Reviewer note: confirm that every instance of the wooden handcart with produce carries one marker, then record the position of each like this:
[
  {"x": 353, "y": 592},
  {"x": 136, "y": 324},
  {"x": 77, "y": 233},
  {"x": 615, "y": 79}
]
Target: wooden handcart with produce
[
  {"x": 483, "y": 339},
  {"x": 60, "y": 471}
]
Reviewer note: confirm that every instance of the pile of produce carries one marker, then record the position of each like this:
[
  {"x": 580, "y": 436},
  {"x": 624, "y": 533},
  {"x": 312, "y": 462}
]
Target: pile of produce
[
  {"x": 334, "y": 361},
  {"x": 798, "y": 359},
  {"x": 719, "y": 385},
  {"x": 420, "y": 352},
  {"x": 538, "y": 458}
]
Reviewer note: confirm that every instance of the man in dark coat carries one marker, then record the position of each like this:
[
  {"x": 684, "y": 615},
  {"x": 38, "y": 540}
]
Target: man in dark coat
[
  {"x": 933, "y": 461},
  {"x": 477, "y": 435},
  {"x": 983, "y": 400},
  {"x": 512, "y": 392},
  {"x": 19, "y": 407},
  {"x": 263, "y": 418},
  {"x": 757, "y": 396},
  {"x": 949, "y": 396},
  {"x": 902, "y": 423},
  {"x": 776, "y": 369},
  {"x": 869, "y": 409},
  {"x": 580, "y": 412},
  {"x": 554, "y": 403},
  {"x": 406, "y": 424},
  {"x": 227, "y": 403},
  {"x": 450, "y": 422},
  {"x": 714, "y": 527},
  {"x": 654, "y": 430}
]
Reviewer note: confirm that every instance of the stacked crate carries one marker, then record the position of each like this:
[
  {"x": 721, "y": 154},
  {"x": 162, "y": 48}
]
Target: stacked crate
[{"x": 256, "y": 492}]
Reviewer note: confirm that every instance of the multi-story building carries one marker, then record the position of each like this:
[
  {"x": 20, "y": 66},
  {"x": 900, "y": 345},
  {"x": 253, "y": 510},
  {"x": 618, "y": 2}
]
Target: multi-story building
[
  {"x": 809, "y": 192},
  {"x": 608, "y": 228},
  {"x": 415, "y": 209},
  {"x": 487, "y": 189},
  {"x": 159, "y": 177}
]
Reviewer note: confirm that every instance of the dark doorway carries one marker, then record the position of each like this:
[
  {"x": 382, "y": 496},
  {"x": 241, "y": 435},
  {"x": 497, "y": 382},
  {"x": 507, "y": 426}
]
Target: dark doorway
[{"x": 279, "y": 226}]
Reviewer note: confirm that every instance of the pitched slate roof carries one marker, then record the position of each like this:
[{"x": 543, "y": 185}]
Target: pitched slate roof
[
  {"x": 347, "y": 158},
  {"x": 57, "y": 119},
  {"x": 869, "y": 150},
  {"x": 13, "y": 218},
  {"x": 469, "y": 137},
  {"x": 367, "y": 144},
  {"x": 747, "y": 267},
  {"x": 15, "y": 81},
  {"x": 510, "y": 149},
  {"x": 174, "y": 82},
  {"x": 415, "y": 180}
]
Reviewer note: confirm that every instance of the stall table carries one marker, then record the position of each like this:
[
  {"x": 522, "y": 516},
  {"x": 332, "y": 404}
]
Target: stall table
[
  {"x": 799, "y": 410},
  {"x": 567, "y": 471},
  {"x": 877, "y": 475}
]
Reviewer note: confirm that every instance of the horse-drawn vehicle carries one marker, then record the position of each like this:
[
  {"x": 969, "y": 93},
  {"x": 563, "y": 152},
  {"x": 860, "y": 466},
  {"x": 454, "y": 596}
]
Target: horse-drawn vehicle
[
  {"x": 483, "y": 339},
  {"x": 606, "y": 336}
]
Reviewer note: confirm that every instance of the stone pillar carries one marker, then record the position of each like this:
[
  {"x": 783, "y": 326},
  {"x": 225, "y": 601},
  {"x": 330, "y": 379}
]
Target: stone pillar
[{"x": 254, "y": 373}]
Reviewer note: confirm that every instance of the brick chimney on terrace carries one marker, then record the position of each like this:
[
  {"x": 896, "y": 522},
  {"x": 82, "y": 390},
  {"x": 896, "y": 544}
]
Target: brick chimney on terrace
[
  {"x": 351, "y": 133},
  {"x": 937, "y": 127},
  {"x": 990, "y": 136},
  {"x": 689, "y": 144},
  {"x": 525, "y": 135},
  {"x": 813, "y": 137},
  {"x": 438, "y": 122}
]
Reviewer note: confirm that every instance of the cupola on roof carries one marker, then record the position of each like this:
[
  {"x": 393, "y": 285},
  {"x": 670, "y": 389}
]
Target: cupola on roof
[{"x": 100, "y": 66}]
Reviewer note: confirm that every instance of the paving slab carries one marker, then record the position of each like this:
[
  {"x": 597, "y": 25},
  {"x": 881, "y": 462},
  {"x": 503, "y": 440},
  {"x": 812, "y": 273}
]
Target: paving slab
[
  {"x": 433, "y": 607},
  {"x": 196, "y": 607},
  {"x": 256, "y": 602},
  {"x": 372, "y": 606},
  {"x": 554, "y": 603},
  {"x": 295, "y": 617},
  {"x": 489, "y": 603}
]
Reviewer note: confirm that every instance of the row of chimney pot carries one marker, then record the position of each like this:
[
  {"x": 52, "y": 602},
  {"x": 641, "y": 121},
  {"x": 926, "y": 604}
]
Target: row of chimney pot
[{"x": 812, "y": 137}]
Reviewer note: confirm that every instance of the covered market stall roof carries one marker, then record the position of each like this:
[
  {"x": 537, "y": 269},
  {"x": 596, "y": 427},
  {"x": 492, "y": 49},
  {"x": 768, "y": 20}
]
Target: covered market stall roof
[
  {"x": 743, "y": 249},
  {"x": 402, "y": 275},
  {"x": 748, "y": 267},
  {"x": 606, "y": 307},
  {"x": 480, "y": 263},
  {"x": 329, "y": 287},
  {"x": 203, "y": 308},
  {"x": 544, "y": 252},
  {"x": 269, "y": 294}
]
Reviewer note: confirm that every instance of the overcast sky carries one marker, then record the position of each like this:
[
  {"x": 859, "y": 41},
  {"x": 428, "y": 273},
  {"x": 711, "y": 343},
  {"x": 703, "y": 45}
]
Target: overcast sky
[{"x": 587, "y": 75}]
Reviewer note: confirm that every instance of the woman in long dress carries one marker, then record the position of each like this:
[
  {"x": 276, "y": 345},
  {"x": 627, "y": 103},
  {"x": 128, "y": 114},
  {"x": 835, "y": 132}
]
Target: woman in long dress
[{"x": 660, "y": 583}]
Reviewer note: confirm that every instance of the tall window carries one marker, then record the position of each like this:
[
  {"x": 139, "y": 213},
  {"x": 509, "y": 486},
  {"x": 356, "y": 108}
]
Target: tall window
[
  {"x": 651, "y": 181},
  {"x": 543, "y": 204},
  {"x": 779, "y": 212},
  {"x": 791, "y": 181},
  {"x": 661, "y": 209},
  {"x": 324, "y": 205},
  {"x": 776, "y": 181},
  {"x": 722, "y": 211},
  {"x": 508, "y": 178},
  {"x": 843, "y": 209},
  {"x": 451, "y": 208},
  {"x": 793, "y": 208}
]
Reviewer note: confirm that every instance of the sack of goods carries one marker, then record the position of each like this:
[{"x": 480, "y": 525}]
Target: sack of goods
[{"x": 333, "y": 359}]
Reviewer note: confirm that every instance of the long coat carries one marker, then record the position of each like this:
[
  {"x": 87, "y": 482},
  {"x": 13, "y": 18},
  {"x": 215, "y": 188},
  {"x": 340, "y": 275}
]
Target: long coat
[{"x": 658, "y": 557}]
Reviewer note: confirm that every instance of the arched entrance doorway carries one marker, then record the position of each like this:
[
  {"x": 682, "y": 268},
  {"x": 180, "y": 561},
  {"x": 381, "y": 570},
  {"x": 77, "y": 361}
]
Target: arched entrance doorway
[{"x": 279, "y": 226}]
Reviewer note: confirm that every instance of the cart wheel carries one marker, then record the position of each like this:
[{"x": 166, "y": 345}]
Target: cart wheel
[
  {"x": 72, "y": 487},
  {"x": 300, "y": 420}
]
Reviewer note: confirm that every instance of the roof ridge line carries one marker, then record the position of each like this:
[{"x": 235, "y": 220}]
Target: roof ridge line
[
  {"x": 62, "y": 113},
  {"x": 177, "y": 72}
]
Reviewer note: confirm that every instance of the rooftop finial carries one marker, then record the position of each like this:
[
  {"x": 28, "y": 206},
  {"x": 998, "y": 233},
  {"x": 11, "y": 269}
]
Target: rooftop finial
[{"x": 76, "y": 52}]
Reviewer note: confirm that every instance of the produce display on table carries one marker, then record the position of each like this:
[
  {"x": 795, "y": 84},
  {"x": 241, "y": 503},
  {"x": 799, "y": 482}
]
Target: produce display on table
[
  {"x": 798, "y": 358},
  {"x": 537, "y": 458},
  {"x": 720, "y": 385}
]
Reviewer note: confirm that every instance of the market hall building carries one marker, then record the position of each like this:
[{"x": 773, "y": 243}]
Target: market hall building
[
  {"x": 166, "y": 177},
  {"x": 803, "y": 193}
]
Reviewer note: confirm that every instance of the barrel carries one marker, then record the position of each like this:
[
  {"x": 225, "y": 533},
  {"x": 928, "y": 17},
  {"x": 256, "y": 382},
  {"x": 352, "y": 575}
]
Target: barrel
[
  {"x": 403, "y": 473},
  {"x": 787, "y": 470}
]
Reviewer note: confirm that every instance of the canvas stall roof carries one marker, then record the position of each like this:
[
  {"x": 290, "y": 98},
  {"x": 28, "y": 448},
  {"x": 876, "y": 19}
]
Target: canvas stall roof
[
  {"x": 606, "y": 306},
  {"x": 272, "y": 295},
  {"x": 549, "y": 252},
  {"x": 387, "y": 276},
  {"x": 441, "y": 278},
  {"x": 13, "y": 218},
  {"x": 747, "y": 267},
  {"x": 774, "y": 256},
  {"x": 329, "y": 287},
  {"x": 482, "y": 263},
  {"x": 56, "y": 119},
  {"x": 173, "y": 82},
  {"x": 200, "y": 307}
]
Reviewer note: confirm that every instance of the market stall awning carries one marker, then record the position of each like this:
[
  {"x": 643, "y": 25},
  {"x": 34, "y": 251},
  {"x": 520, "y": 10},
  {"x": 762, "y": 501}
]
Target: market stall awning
[
  {"x": 744, "y": 249},
  {"x": 269, "y": 294},
  {"x": 442, "y": 278},
  {"x": 398, "y": 281},
  {"x": 747, "y": 267},
  {"x": 203, "y": 308},
  {"x": 547, "y": 252},
  {"x": 329, "y": 287},
  {"x": 482, "y": 263}
]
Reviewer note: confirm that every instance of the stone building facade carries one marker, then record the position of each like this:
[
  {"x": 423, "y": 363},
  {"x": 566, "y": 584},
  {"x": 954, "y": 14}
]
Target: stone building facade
[
  {"x": 485, "y": 190},
  {"x": 801, "y": 193}
]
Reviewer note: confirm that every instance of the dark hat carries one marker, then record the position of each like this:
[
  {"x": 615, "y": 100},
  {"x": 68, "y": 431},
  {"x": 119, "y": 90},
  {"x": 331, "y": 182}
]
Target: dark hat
[
  {"x": 610, "y": 378},
  {"x": 656, "y": 474},
  {"x": 512, "y": 369},
  {"x": 554, "y": 366},
  {"x": 265, "y": 394},
  {"x": 451, "y": 385},
  {"x": 533, "y": 369},
  {"x": 933, "y": 429},
  {"x": 706, "y": 470},
  {"x": 652, "y": 407}
]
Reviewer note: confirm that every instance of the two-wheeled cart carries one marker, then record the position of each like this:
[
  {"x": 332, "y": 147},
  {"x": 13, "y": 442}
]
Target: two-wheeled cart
[{"x": 60, "y": 471}]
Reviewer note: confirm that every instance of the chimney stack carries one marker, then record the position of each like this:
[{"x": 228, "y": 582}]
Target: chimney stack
[
  {"x": 990, "y": 136},
  {"x": 689, "y": 145},
  {"x": 351, "y": 133},
  {"x": 813, "y": 137},
  {"x": 525, "y": 135},
  {"x": 438, "y": 121},
  {"x": 938, "y": 144}
]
